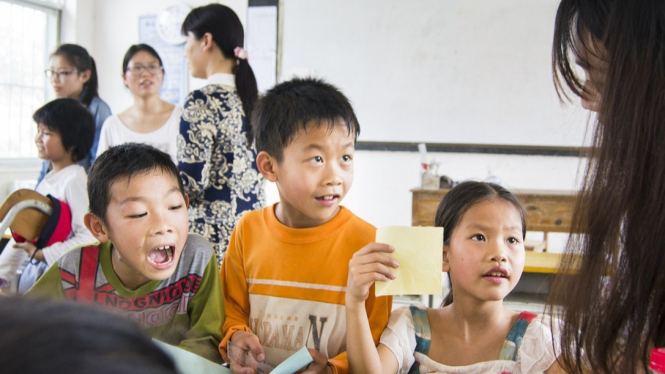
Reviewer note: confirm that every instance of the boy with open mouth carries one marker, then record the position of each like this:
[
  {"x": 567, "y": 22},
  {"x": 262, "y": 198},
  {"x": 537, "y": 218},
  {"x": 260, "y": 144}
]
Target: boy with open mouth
[{"x": 147, "y": 265}]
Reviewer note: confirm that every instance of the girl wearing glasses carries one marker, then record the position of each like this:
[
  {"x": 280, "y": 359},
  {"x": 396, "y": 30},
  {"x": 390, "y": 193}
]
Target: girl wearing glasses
[
  {"x": 150, "y": 120},
  {"x": 73, "y": 75},
  {"x": 215, "y": 155}
]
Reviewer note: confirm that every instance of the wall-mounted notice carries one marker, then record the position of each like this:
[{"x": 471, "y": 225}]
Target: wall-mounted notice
[
  {"x": 174, "y": 87},
  {"x": 261, "y": 42}
]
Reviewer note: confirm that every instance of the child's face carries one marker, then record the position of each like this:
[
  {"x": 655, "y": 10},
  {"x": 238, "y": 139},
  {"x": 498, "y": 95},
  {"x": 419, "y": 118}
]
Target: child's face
[
  {"x": 314, "y": 175},
  {"x": 49, "y": 145},
  {"x": 147, "y": 223},
  {"x": 69, "y": 81},
  {"x": 485, "y": 257},
  {"x": 146, "y": 83}
]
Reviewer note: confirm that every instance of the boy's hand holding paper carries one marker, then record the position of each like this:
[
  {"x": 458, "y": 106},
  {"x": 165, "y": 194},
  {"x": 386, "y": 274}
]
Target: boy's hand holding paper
[
  {"x": 419, "y": 253},
  {"x": 244, "y": 358}
]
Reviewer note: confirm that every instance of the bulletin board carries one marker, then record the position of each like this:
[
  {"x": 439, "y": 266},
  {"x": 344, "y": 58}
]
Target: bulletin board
[
  {"x": 174, "y": 87},
  {"x": 261, "y": 41},
  {"x": 465, "y": 72}
]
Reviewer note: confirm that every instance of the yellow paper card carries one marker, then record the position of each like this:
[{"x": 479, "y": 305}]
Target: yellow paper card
[{"x": 419, "y": 253}]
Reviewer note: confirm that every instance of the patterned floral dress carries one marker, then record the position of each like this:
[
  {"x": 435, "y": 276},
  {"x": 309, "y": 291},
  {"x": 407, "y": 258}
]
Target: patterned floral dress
[{"x": 216, "y": 162}]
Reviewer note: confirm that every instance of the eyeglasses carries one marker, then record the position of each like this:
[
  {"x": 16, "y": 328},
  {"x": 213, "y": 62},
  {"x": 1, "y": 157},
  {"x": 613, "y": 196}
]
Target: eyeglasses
[
  {"x": 137, "y": 70},
  {"x": 62, "y": 74}
]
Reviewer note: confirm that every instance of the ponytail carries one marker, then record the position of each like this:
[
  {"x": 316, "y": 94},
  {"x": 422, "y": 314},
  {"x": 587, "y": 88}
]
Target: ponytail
[
  {"x": 91, "y": 86},
  {"x": 248, "y": 91},
  {"x": 227, "y": 32}
]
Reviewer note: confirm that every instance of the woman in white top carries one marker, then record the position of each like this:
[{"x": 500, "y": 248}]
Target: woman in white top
[{"x": 150, "y": 120}]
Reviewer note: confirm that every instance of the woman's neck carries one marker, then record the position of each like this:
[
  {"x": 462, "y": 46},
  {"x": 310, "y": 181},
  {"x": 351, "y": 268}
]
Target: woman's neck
[
  {"x": 149, "y": 104},
  {"x": 218, "y": 64},
  {"x": 147, "y": 114}
]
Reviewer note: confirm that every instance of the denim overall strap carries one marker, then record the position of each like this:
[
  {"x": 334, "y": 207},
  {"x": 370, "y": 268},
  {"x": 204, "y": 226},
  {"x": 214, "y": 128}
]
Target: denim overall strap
[
  {"x": 423, "y": 333},
  {"x": 514, "y": 339}
]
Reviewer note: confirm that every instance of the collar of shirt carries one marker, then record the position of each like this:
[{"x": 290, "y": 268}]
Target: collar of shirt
[{"x": 222, "y": 79}]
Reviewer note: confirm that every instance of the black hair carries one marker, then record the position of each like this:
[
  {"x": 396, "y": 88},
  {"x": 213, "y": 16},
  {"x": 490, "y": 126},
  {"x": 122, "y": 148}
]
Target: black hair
[
  {"x": 78, "y": 57},
  {"x": 227, "y": 32},
  {"x": 136, "y": 48},
  {"x": 291, "y": 106},
  {"x": 72, "y": 121},
  {"x": 124, "y": 161},
  {"x": 55, "y": 336},
  {"x": 608, "y": 292},
  {"x": 459, "y": 200}
]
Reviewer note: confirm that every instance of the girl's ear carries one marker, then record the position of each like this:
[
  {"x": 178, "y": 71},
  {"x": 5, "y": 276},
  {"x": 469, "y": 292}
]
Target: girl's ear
[
  {"x": 96, "y": 227},
  {"x": 207, "y": 41},
  {"x": 446, "y": 263},
  {"x": 85, "y": 76},
  {"x": 267, "y": 166}
]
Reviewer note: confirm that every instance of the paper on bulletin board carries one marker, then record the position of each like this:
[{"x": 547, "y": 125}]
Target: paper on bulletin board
[
  {"x": 262, "y": 44},
  {"x": 419, "y": 253},
  {"x": 174, "y": 86}
]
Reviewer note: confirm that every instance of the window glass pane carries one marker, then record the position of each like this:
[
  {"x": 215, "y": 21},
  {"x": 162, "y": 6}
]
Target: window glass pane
[{"x": 28, "y": 33}]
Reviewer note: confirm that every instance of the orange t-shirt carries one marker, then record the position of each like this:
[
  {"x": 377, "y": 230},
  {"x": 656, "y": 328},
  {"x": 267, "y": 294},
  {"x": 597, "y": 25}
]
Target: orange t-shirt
[{"x": 288, "y": 285}]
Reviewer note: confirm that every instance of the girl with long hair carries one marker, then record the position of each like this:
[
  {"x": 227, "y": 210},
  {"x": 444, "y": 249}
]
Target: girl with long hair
[
  {"x": 610, "y": 288},
  {"x": 73, "y": 74}
]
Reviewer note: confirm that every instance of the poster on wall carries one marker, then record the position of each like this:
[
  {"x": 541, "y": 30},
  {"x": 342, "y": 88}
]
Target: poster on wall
[
  {"x": 262, "y": 44},
  {"x": 174, "y": 87}
]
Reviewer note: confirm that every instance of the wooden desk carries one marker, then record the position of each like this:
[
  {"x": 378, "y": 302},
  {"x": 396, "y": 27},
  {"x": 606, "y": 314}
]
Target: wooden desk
[{"x": 547, "y": 211}]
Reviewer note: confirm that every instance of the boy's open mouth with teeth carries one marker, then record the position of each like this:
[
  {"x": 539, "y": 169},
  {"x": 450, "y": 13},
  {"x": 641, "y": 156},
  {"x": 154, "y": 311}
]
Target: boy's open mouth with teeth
[{"x": 162, "y": 255}]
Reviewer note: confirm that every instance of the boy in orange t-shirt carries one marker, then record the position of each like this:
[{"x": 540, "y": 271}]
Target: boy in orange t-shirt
[{"x": 284, "y": 274}]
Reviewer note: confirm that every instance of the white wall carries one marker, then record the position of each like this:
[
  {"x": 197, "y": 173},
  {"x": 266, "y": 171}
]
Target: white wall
[{"x": 380, "y": 193}]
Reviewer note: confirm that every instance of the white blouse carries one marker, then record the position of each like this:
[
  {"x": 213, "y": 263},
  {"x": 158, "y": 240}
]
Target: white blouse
[{"x": 114, "y": 132}]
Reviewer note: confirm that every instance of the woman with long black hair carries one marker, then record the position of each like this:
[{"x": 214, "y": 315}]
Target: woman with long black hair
[{"x": 611, "y": 286}]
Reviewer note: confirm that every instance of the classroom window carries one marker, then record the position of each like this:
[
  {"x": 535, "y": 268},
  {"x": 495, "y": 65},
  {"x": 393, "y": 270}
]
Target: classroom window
[{"x": 28, "y": 34}]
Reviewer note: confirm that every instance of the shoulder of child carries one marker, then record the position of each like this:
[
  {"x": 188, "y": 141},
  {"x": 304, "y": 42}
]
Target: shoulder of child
[
  {"x": 196, "y": 245},
  {"x": 72, "y": 256},
  {"x": 196, "y": 253},
  {"x": 399, "y": 336},
  {"x": 99, "y": 105},
  {"x": 361, "y": 223},
  {"x": 540, "y": 345}
]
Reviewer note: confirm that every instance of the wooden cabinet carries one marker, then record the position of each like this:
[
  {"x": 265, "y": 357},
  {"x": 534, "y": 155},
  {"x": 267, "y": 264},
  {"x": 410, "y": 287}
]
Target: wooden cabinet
[{"x": 547, "y": 211}]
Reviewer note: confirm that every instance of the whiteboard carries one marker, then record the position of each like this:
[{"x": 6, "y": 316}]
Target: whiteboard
[{"x": 438, "y": 71}]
